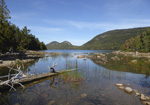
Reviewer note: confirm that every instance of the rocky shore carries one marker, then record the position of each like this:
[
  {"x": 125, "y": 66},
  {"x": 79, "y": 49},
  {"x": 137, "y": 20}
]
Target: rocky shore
[
  {"x": 7, "y": 59},
  {"x": 133, "y": 54},
  {"x": 144, "y": 98}
]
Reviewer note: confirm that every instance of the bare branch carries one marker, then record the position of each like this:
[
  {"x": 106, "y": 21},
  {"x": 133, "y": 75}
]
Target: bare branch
[
  {"x": 54, "y": 65},
  {"x": 10, "y": 71},
  {"x": 11, "y": 81}
]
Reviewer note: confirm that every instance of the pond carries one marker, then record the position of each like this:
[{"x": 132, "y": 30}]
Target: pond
[{"x": 91, "y": 84}]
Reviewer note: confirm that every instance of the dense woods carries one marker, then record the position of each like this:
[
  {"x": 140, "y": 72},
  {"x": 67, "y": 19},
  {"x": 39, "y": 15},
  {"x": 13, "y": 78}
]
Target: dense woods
[
  {"x": 140, "y": 43},
  {"x": 12, "y": 38},
  {"x": 112, "y": 40}
]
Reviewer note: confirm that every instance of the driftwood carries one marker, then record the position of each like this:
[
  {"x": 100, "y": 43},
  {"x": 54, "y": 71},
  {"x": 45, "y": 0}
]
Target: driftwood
[
  {"x": 21, "y": 77},
  {"x": 52, "y": 67}
]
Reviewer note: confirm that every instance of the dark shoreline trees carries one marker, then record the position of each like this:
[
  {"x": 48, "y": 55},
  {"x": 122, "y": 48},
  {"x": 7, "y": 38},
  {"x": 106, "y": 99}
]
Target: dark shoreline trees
[
  {"x": 140, "y": 43},
  {"x": 14, "y": 39}
]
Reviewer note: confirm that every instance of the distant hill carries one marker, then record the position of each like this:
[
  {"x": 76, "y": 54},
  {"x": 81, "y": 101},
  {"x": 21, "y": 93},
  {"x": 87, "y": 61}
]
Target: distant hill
[
  {"x": 63, "y": 45},
  {"x": 112, "y": 39}
]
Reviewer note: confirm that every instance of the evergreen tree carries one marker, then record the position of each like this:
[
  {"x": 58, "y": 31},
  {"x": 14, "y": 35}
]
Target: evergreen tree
[
  {"x": 12, "y": 38},
  {"x": 4, "y": 11},
  {"x": 140, "y": 43}
]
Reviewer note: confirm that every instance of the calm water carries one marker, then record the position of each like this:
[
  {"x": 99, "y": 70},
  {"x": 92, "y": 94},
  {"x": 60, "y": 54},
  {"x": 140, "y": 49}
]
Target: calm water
[{"x": 90, "y": 84}]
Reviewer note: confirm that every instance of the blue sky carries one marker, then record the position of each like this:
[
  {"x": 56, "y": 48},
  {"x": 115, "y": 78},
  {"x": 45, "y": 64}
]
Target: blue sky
[{"x": 77, "y": 21}]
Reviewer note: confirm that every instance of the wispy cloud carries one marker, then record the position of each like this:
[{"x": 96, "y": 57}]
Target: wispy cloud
[
  {"x": 23, "y": 15},
  {"x": 39, "y": 5},
  {"x": 45, "y": 29},
  {"x": 109, "y": 26},
  {"x": 82, "y": 25}
]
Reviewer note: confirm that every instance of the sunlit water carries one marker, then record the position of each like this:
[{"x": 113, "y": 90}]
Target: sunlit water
[{"x": 90, "y": 84}]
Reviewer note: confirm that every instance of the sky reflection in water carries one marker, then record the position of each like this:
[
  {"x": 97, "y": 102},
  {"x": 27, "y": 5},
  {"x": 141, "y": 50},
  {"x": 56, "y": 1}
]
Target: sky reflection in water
[{"x": 91, "y": 84}]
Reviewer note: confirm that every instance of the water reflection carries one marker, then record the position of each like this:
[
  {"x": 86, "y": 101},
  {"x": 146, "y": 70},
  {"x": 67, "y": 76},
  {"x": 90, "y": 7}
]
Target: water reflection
[
  {"x": 5, "y": 70},
  {"x": 124, "y": 63},
  {"x": 92, "y": 83},
  {"x": 52, "y": 82}
]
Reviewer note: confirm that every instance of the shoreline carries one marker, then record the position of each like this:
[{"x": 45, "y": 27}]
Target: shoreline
[
  {"x": 8, "y": 59},
  {"x": 132, "y": 54}
]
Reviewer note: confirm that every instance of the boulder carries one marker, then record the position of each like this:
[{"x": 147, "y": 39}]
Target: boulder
[
  {"x": 81, "y": 56},
  {"x": 115, "y": 58},
  {"x": 135, "y": 91},
  {"x": 121, "y": 87},
  {"x": 137, "y": 94},
  {"x": 119, "y": 84},
  {"x": 146, "y": 103},
  {"x": 128, "y": 90},
  {"x": 147, "y": 98},
  {"x": 143, "y": 98}
]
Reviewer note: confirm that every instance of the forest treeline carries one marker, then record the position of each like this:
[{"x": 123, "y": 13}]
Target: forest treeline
[
  {"x": 112, "y": 40},
  {"x": 12, "y": 38},
  {"x": 140, "y": 43}
]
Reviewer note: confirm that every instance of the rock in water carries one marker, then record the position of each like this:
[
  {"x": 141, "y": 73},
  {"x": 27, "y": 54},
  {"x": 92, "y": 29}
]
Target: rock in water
[
  {"x": 143, "y": 98},
  {"x": 83, "y": 95},
  {"x": 146, "y": 103},
  {"x": 147, "y": 98},
  {"x": 121, "y": 87},
  {"x": 81, "y": 56},
  {"x": 128, "y": 90},
  {"x": 137, "y": 94},
  {"x": 119, "y": 84}
]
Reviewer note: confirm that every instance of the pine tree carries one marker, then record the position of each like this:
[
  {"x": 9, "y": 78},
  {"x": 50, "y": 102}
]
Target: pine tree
[
  {"x": 4, "y": 26},
  {"x": 4, "y": 11}
]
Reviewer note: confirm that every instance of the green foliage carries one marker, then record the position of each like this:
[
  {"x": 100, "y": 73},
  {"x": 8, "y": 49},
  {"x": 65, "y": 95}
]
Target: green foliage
[
  {"x": 4, "y": 11},
  {"x": 125, "y": 64},
  {"x": 140, "y": 43},
  {"x": 12, "y": 38},
  {"x": 63, "y": 45},
  {"x": 112, "y": 40}
]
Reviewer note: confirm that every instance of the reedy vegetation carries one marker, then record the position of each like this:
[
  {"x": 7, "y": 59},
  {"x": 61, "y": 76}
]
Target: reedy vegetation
[{"x": 13, "y": 38}]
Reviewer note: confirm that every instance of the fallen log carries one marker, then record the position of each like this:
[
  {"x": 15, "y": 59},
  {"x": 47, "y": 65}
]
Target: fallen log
[
  {"x": 40, "y": 76},
  {"x": 30, "y": 78}
]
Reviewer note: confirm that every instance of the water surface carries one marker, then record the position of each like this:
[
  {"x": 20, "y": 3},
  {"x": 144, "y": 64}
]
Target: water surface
[{"x": 91, "y": 84}]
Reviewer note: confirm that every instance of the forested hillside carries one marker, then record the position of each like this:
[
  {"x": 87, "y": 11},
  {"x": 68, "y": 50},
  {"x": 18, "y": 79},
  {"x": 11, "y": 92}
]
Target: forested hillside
[
  {"x": 112, "y": 40},
  {"x": 13, "y": 38},
  {"x": 62, "y": 45},
  {"x": 140, "y": 43}
]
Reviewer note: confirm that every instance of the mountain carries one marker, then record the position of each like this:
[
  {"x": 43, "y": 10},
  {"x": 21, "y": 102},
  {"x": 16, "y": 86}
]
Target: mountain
[
  {"x": 52, "y": 44},
  {"x": 112, "y": 40},
  {"x": 63, "y": 45}
]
